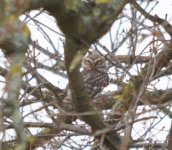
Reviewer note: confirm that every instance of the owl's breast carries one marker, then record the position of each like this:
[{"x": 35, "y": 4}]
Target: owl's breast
[{"x": 95, "y": 81}]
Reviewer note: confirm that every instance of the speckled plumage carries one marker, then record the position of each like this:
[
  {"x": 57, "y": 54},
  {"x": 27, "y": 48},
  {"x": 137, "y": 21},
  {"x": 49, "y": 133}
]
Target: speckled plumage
[{"x": 94, "y": 73}]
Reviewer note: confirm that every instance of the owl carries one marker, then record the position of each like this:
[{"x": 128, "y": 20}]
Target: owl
[{"x": 94, "y": 73}]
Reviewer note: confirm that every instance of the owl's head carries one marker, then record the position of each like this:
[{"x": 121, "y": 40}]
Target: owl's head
[{"x": 94, "y": 61}]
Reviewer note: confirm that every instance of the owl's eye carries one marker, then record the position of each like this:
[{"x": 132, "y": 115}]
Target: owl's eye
[
  {"x": 87, "y": 63},
  {"x": 99, "y": 63}
]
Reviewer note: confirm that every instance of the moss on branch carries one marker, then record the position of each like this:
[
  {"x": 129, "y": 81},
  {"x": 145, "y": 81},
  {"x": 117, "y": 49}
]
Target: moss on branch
[
  {"x": 81, "y": 20},
  {"x": 14, "y": 40},
  {"x": 132, "y": 88}
]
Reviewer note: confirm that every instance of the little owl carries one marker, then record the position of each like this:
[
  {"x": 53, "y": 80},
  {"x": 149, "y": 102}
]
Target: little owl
[{"x": 94, "y": 73}]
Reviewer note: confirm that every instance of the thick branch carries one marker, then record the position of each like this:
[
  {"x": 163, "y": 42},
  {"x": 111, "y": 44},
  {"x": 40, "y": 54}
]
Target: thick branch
[
  {"x": 73, "y": 55},
  {"x": 80, "y": 20}
]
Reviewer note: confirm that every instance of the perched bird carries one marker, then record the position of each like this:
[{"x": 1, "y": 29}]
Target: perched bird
[{"x": 94, "y": 73}]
